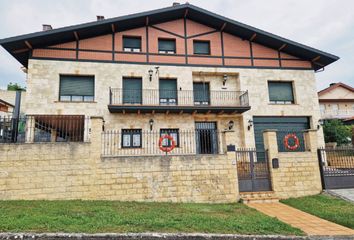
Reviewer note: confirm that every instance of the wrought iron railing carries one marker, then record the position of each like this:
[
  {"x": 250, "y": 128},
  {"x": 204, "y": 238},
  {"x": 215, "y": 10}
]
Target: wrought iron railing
[
  {"x": 156, "y": 97},
  {"x": 337, "y": 161},
  {"x": 136, "y": 142},
  {"x": 44, "y": 128},
  {"x": 291, "y": 141}
]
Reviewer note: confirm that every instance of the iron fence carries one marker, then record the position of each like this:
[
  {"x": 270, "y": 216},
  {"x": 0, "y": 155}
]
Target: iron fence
[
  {"x": 337, "y": 161},
  {"x": 44, "y": 128},
  {"x": 291, "y": 141},
  {"x": 137, "y": 142},
  {"x": 119, "y": 96},
  {"x": 253, "y": 170}
]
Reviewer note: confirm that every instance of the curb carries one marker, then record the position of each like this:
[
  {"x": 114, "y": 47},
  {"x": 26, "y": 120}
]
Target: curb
[{"x": 155, "y": 236}]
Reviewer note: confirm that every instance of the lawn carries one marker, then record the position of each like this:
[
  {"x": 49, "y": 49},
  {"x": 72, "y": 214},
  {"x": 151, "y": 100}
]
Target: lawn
[
  {"x": 327, "y": 207},
  {"x": 112, "y": 216}
]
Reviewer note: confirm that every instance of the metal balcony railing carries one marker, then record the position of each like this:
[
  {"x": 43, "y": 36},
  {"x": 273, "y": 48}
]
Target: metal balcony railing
[{"x": 156, "y": 97}]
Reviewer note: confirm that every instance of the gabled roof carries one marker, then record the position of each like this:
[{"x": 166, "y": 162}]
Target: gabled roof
[
  {"x": 334, "y": 86},
  {"x": 86, "y": 30}
]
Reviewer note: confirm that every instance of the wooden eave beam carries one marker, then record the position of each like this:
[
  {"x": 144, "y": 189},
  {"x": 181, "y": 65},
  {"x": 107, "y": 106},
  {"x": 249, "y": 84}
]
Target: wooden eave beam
[
  {"x": 316, "y": 58},
  {"x": 21, "y": 50},
  {"x": 186, "y": 13},
  {"x": 223, "y": 27},
  {"x": 253, "y": 37},
  {"x": 28, "y": 45},
  {"x": 282, "y": 47},
  {"x": 76, "y": 36},
  {"x": 113, "y": 28},
  {"x": 147, "y": 21}
]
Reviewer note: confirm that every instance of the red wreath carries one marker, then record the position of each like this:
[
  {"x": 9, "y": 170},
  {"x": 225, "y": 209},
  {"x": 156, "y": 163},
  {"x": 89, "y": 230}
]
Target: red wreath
[
  {"x": 296, "y": 140},
  {"x": 167, "y": 149}
]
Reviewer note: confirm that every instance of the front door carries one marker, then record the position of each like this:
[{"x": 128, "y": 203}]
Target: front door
[{"x": 206, "y": 138}]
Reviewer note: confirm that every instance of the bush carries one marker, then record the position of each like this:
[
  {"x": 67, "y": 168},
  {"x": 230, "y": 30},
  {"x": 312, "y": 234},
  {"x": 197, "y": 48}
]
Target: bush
[{"x": 335, "y": 131}]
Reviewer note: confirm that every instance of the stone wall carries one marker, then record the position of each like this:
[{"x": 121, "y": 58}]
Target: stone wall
[
  {"x": 77, "y": 171},
  {"x": 298, "y": 173},
  {"x": 43, "y": 94}
]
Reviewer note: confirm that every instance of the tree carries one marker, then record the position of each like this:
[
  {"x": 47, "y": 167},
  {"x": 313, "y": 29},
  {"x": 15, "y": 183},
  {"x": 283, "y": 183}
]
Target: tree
[
  {"x": 335, "y": 131},
  {"x": 15, "y": 87}
]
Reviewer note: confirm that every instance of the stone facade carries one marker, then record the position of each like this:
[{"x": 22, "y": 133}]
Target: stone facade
[{"x": 43, "y": 94}]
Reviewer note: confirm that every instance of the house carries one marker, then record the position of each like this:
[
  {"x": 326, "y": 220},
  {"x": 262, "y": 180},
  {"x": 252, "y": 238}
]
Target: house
[
  {"x": 180, "y": 80},
  {"x": 6, "y": 108},
  {"x": 337, "y": 101},
  {"x": 10, "y": 97}
]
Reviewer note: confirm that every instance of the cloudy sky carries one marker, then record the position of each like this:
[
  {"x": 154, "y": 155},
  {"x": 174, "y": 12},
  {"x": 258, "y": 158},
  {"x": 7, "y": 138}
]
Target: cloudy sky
[{"x": 324, "y": 24}]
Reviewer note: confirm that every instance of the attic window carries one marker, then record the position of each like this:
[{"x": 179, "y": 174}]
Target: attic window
[
  {"x": 167, "y": 46},
  {"x": 132, "y": 44},
  {"x": 201, "y": 47}
]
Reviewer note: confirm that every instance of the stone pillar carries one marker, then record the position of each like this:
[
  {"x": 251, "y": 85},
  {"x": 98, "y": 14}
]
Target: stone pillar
[
  {"x": 30, "y": 129},
  {"x": 96, "y": 134},
  {"x": 311, "y": 143},
  {"x": 53, "y": 135},
  {"x": 271, "y": 147}
]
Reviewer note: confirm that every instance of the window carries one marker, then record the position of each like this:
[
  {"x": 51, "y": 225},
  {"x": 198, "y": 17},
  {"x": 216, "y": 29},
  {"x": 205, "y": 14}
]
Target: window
[
  {"x": 174, "y": 133},
  {"x": 132, "y": 44},
  {"x": 132, "y": 91},
  {"x": 167, "y": 46},
  {"x": 168, "y": 91},
  {"x": 201, "y": 47},
  {"x": 281, "y": 92},
  {"x": 201, "y": 93},
  {"x": 76, "y": 88},
  {"x": 131, "y": 138}
]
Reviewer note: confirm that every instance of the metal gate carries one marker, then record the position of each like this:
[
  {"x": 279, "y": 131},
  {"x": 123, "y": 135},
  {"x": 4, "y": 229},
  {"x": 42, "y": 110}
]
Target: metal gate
[
  {"x": 337, "y": 167},
  {"x": 253, "y": 170}
]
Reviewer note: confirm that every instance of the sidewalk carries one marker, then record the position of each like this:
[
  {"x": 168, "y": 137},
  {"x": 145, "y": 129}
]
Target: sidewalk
[{"x": 308, "y": 223}]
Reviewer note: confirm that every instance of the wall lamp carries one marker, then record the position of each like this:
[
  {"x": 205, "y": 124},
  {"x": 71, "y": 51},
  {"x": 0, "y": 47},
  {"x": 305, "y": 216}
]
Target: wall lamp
[
  {"x": 231, "y": 125},
  {"x": 150, "y": 74},
  {"x": 225, "y": 77},
  {"x": 151, "y": 123},
  {"x": 320, "y": 123},
  {"x": 250, "y": 124}
]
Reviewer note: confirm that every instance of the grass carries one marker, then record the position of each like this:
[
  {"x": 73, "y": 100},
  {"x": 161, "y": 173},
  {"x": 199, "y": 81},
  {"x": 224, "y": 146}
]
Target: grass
[
  {"x": 324, "y": 206},
  {"x": 113, "y": 216}
]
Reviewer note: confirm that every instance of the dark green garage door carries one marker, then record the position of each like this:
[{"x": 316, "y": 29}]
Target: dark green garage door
[{"x": 278, "y": 123}]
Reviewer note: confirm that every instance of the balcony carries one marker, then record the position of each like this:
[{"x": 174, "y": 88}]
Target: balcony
[
  {"x": 340, "y": 113},
  {"x": 177, "y": 101}
]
